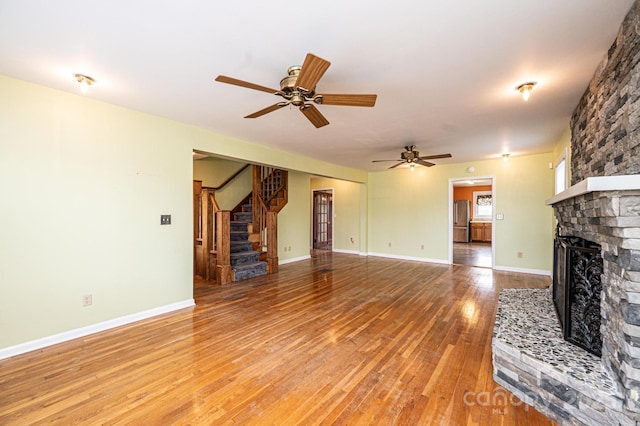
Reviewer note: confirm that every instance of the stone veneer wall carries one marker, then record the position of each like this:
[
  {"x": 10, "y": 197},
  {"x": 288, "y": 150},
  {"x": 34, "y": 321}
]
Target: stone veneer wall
[
  {"x": 605, "y": 126},
  {"x": 612, "y": 219}
]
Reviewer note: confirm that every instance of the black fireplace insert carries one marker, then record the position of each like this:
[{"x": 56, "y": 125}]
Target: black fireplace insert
[{"x": 577, "y": 272}]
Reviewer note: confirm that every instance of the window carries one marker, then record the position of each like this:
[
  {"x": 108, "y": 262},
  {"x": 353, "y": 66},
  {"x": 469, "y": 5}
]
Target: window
[
  {"x": 561, "y": 173},
  {"x": 482, "y": 205}
]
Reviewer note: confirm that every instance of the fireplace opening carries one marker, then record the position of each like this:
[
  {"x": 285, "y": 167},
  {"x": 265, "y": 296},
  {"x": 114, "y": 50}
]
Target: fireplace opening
[{"x": 577, "y": 272}]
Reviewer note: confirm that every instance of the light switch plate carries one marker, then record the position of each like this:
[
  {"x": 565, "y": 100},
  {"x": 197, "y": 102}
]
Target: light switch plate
[
  {"x": 499, "y": 216},
  {"x": 165, "y": 219}
]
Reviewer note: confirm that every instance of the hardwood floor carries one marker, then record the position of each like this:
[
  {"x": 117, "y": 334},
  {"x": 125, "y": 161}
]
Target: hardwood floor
[
  {"x": 472, "y": 254},
  {"x": 339, "y": 339}
]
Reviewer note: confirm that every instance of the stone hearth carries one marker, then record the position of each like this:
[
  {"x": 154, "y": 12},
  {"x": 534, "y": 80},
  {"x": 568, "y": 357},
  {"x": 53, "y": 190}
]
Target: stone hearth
[{"x": 533, "y": 361}]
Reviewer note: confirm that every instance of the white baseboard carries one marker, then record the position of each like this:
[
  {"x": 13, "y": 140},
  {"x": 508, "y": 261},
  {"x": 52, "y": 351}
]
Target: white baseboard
[
  {"x": 523, "y": 270},
  {"x": 91, "y": 329},
  {"x": 347, "y": 251},
  {"x": 294, "y": 259},
  {"x": 415, "y": 259}
]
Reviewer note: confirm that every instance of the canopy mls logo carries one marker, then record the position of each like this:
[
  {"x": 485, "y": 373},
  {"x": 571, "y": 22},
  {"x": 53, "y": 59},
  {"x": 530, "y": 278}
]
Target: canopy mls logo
[{"x": 498, "y": 400}]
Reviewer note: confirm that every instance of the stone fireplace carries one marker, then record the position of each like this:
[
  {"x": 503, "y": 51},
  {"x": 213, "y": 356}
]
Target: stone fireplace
[
  {"x": 607, "y": 211},
  {"x": 602, "y": 206}
]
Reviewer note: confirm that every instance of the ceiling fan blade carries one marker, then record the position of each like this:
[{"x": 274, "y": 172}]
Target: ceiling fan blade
[
  {"x": 396, "y": 165},
  {"x": 424, "y": 163},
  {"x": 312, "y": 71},
  {"x": 266, "y": 110},
  {"x": 433, "y": 157},
  {"x": 241, "y": 83},
  {"x": 380, "y": 161},
  {"x": 314, "y": 116},
  {"x": 349, "y": 100}
]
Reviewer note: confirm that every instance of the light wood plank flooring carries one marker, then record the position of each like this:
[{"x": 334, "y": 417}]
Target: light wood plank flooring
[
  {"x": 472, "y": 254},
  {"x": 339, "y": 339}
]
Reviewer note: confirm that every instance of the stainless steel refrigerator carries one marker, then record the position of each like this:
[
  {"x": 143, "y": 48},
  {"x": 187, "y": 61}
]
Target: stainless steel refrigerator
[{"x": 461, "y": 221}]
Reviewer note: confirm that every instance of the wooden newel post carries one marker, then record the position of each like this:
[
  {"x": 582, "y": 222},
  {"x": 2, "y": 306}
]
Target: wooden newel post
[
  {"x": 223, "y": 231},
  {"x": 272, "y": 242}
]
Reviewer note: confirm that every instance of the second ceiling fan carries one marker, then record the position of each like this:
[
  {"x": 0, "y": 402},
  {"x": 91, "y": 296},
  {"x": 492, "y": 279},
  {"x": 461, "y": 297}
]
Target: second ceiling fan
[
  {"x": 411, "y": 156},
  {"x": 299, "y": 89}
]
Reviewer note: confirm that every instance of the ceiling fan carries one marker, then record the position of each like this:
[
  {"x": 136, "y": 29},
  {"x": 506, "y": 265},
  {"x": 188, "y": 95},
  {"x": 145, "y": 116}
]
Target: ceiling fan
[
  {"x": 298, "y": 89},
  {"x": 411, "y": 156}
]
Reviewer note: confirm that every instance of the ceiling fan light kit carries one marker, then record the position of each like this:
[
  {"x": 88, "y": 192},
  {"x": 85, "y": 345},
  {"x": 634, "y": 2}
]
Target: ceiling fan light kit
[{"x": 298, "y": 89}]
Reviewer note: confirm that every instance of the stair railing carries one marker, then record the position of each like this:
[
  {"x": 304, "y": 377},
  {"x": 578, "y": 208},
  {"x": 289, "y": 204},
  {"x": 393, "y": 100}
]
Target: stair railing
[
  {"x": 269, "y": 196},
  {"x": 205, "y": 208},
  {"x": 273, "y": 186},
  {"x": 213, "y": 237}
]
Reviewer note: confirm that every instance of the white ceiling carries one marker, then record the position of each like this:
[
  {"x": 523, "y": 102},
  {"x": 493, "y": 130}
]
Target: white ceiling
[{"x": 445, "y": 71}]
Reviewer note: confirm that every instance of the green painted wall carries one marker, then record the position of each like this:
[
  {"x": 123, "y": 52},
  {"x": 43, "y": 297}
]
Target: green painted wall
[
  {"x": 410, "y": 210},
  {"x": 347, "y": 213},
  {"x": 215, "y": 171},
  {"x": 83, "y": 186},
  {"x": 294, "y": 220}
]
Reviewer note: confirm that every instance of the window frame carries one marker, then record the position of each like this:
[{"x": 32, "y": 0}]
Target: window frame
[{"x": 477, "y": 216}]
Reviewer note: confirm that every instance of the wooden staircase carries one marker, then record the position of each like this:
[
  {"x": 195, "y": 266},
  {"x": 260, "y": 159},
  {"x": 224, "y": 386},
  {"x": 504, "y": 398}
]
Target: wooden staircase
[
  {"x": 245, "y": 261},
  {"x": 246, "y": 246}
]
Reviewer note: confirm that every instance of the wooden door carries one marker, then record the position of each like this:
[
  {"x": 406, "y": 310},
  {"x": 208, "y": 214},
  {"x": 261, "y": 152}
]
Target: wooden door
[{"x": 322, "y": 219}]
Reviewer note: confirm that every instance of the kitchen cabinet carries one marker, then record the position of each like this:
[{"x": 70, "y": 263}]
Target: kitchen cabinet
[{"x": 481, "y": 231}]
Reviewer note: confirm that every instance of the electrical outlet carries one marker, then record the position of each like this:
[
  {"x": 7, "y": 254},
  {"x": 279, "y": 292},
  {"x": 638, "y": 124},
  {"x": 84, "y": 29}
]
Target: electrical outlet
[
  {"x": 87, "y": 300},
  {"x": 520, "y": 255},
  {"x": 165, "y": 219}
]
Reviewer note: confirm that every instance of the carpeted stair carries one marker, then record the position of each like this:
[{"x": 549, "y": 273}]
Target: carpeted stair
[{"x": 245, "y": 261}]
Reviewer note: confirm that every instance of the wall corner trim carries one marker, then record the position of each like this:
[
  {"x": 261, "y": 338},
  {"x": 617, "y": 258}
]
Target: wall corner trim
[{"x": 91, "y": 329}]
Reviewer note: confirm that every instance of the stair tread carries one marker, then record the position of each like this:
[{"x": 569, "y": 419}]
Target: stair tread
[
  {"x": 248, "y": 265},
  {"x": 244, "y": 253}
]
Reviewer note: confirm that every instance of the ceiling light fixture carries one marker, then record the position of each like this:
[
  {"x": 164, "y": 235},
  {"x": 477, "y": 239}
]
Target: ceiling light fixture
[
  {"x": 505, "y": 157},
  {"x": 525, "y": 89},
  {"x": 85, "y": 82}
]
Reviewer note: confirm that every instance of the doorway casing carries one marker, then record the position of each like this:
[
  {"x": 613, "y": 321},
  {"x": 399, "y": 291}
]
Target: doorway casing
[
  {"x": 322, "y": 219},
  {"x": 493, "y": 228}
]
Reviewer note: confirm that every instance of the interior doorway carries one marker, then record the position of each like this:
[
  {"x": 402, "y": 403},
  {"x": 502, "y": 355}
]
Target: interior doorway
[
  {"x": 322, "y": 219},
  {"x": 472, "y": 236}
]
